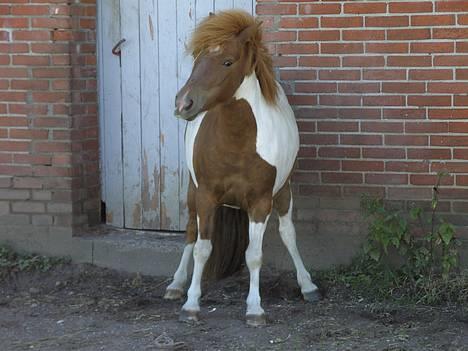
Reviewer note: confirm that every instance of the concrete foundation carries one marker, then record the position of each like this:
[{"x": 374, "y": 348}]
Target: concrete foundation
[
  {"x": 156, "y": 253},
  {"x": 322, "y": 244}
]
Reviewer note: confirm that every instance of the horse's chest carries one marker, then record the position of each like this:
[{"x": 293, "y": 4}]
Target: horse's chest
[{"x": 221, "y": 152}]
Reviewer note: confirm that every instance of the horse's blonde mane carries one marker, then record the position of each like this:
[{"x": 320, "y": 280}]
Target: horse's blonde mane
[{"x": 215, "y": 30}]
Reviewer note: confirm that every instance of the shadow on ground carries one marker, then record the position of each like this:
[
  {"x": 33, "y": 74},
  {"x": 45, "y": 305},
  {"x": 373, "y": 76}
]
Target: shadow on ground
[{"x": 83, "y": 307}]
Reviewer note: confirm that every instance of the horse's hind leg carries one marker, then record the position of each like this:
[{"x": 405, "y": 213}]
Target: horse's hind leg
[
  {"x": 175, "y": 290},
  {"x": 283, "y": 204}
]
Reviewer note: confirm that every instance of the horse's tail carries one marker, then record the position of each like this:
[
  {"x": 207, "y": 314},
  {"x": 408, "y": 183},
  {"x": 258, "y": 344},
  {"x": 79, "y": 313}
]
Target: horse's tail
[{"x": 230, "y": 240}]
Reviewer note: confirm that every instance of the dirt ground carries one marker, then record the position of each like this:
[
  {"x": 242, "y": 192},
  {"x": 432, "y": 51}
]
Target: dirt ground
[{"x": 81, "y": 307}]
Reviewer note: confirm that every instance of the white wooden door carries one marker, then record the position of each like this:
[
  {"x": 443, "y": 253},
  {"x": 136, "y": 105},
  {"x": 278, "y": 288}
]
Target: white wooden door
[{"x": 144, "y": 175}]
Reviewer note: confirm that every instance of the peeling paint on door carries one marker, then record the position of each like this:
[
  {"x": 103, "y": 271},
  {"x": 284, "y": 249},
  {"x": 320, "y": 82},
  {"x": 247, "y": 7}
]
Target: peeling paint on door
[
  {"x": 150, "y": 195},
  {"x": 109, "y": 217},
  {"x": 136, "y": 215},
  {"x": 151, "y": 28}
]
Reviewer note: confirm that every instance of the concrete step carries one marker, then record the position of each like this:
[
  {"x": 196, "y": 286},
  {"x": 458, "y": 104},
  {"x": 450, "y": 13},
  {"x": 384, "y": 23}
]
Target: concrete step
[
  {"x": 158, "y": 253},
  {"x": 151, "y": 253},
  {"x": 321, "y": 244}
]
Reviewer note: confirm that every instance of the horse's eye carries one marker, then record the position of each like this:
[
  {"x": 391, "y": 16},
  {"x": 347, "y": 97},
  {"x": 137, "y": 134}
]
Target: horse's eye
[{"x": 227, "y": 63}]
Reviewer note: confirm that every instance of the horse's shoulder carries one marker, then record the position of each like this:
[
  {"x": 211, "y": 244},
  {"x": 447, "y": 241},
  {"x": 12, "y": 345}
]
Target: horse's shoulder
[
  {"x": 237, "y": 106},
  {"x": 236, "y": 113}
]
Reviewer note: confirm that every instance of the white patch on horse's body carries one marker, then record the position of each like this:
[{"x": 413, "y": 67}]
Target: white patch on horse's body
[
  {"x": 277, "y": 134},
  {"x": 191, "y": 132}
]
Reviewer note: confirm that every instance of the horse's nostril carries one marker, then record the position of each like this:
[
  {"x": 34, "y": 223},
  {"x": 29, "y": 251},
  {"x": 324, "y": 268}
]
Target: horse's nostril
[{"x": 189, "y": 105}]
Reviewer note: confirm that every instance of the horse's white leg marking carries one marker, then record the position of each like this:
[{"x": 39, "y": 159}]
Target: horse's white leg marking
[
  {"x": 201, "y": 253},
  {"x": 288, "y": 235},
  {"x": 180, "y": 275},
  {"x": 253, "y": 257}
]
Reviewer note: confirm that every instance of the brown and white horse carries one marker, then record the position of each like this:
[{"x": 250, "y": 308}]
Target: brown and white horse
[{"x": 241, "y": 143}]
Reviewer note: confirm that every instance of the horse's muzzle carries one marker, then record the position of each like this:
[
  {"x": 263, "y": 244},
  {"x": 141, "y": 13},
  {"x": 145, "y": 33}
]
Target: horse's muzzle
[{"x": 184, "y": 105}]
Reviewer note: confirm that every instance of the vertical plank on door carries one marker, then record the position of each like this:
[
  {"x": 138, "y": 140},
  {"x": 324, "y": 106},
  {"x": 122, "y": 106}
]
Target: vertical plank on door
[
  {"x": 246, "y": 5},
  {"x": 223, "y": 5},
  {"x": 203, "y": 9},
  {"x": 169, "y": 133},
  {"x": 185, "y": 26},
  {"x": 131, "y": 103},
  {"x": 100, "y": 87},
  {"x": 110, "y": 113},
  {"x": 150, "y": 151}
]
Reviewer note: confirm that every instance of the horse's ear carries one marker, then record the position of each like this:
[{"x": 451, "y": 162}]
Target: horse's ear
[{"x": 248, "y": 33}]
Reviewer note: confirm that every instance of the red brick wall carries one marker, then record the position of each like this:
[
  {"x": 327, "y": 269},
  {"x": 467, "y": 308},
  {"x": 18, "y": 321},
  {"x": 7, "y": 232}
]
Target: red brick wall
[
  {"x": 48, "y": 114},
  {"x": 380, "y": 90}
]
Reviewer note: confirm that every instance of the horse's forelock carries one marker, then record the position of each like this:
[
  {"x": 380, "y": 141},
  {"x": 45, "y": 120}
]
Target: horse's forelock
[{"x": 215, "y": 30}]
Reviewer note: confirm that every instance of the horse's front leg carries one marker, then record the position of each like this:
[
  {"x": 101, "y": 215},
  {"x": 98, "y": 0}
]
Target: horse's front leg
[
  {"x": 201, "y": 253},
  {"x": 191, "y": 308},
  {"x": 258, "y": 219},
  {"x": 176, "y": 289}
]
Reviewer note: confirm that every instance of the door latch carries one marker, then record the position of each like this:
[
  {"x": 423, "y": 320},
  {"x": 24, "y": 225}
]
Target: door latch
[{"x": 116, "y": 49}]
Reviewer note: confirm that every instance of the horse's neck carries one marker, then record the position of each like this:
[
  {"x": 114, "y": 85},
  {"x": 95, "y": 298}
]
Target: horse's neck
[
  {"x": 250, "y": 90},
  {"x": 277, "y": 136},
  {"x": 249, "y": 86},
  {"x": 267, "y": 116},
  {"x": 264, "y": 113}
]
